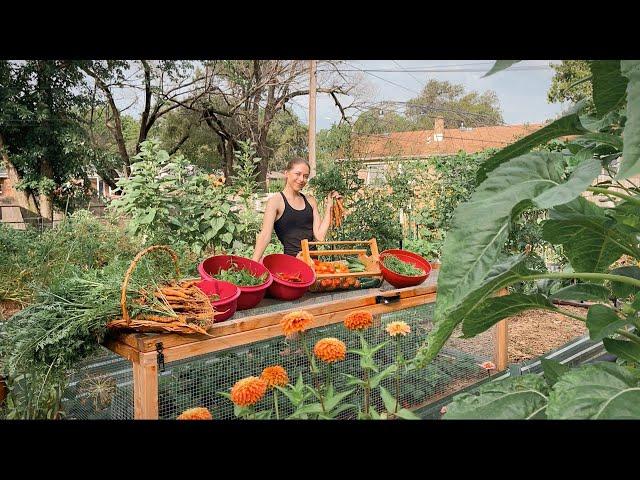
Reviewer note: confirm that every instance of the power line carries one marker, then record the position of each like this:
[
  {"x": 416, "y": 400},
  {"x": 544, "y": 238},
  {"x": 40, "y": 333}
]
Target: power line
[
  {"x": 385, "y": 80},
  {"x": 435, "y": 70}
]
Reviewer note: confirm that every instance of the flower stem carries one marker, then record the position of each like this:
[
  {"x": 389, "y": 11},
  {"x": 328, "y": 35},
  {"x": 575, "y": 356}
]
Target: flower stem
[
  {"x": 585, "y": 276},
  {"x": 398, "y": 353},
  {"x": 314, "y": 372},
  {"x": 606, "y": 191},
  {"x": 275, "y": 403},
  {"x": 620, "y": 331}
]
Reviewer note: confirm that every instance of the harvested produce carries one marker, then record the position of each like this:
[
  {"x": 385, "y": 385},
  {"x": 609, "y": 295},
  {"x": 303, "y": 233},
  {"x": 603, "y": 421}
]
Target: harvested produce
[
  {"x": 241, "y": 277},
  {"x": 400, "y": 267},
  {"x": 290, "y": 277},
  {"x": 337, "y": 213}
]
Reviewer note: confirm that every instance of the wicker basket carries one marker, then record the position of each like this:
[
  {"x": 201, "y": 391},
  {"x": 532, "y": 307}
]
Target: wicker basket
[
  {"x": 199, "y": 303},
  {"x": 327, "y": 282}
]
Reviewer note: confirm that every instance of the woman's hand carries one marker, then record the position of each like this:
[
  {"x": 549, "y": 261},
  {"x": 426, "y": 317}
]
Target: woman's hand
[{"x": 329, "y": 201}]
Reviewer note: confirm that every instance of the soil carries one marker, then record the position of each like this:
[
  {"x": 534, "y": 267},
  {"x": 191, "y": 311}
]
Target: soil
[
  {"x": 8, "y": 308},
  {"x": 536, "y": 332}
]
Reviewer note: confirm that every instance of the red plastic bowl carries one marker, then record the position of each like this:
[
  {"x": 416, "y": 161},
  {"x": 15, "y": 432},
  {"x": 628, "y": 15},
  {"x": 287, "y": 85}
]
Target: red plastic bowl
[
  {"x": 402, "y": 281},
  {"x": 228, "y": 293},
  {"x": 283, "y": 289},
  {"x": 249, "y": 296}
]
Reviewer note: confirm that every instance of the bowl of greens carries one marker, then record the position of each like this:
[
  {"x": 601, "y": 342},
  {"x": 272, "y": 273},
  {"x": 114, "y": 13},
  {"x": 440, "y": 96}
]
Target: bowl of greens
[
  {"x": 252, "y": 278},
  {"x": 402, "y": 268}
]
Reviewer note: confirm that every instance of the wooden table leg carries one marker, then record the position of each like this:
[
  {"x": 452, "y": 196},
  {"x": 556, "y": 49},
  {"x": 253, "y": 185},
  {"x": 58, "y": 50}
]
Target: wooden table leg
[
  {"x": 145, "y": 387},
  {"x": 501, "y": 344}
]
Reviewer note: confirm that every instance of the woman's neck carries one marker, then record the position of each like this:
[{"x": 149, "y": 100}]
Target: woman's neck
[{"x": 290, "y": 192}]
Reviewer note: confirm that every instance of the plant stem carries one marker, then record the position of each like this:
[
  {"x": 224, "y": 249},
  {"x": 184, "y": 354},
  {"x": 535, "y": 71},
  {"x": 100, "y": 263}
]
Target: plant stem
[
  {"x": 613, "y": 193},
  {"x": 366, "y": 392},
  {"x": 585, "y": 276},
  {"x": 398, "y": 353},
  {"x": 275, "y": 403},
  {"x": 621, "y": 331},
  {"x": 314, "y": 371}
]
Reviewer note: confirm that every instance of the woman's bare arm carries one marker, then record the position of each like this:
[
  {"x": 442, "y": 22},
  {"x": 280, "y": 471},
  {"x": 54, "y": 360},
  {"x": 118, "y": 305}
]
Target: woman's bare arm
[{"x": 264, "y": 237}]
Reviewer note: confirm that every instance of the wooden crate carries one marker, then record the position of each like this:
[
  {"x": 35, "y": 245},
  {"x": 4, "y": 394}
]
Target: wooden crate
[{"x": 326, "y": 282}]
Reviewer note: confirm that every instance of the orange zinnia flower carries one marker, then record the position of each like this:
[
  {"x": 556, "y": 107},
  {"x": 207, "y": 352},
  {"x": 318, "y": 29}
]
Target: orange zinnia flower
[
  {"x": 275, "y": 375},
  {"x": 358, "y": 320},
  {"x": 488, "y": 365},
  {"x": 397, "y": 328},
  {"x": 330, "y": 350},
  {"x": 248, "y": 391},
  {"x": 197, "y": 413},
  {"x": 295, "y": 322}
]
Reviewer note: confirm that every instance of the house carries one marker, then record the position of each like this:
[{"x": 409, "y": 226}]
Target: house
[{"x": 375, "y": 151}]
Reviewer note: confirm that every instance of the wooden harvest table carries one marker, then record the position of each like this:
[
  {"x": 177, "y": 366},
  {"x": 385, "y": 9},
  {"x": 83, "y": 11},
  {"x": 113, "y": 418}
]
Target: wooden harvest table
[{"x": 148, "y": 351}]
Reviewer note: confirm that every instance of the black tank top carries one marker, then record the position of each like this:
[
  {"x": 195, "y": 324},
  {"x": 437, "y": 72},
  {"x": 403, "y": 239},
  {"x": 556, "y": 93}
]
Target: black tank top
[{"x": 294, "y": 226}]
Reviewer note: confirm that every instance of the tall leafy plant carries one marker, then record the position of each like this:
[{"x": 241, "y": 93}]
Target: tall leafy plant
[
  {"x": 516, "y": 180},
  {"x": 168, "y": 200}
]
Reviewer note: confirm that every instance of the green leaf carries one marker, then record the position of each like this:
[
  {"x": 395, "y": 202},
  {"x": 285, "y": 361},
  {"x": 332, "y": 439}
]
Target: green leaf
[
  {"x": 623, "y": 290},
  {"x": 479, "y": 233},
  {"x": 388, "y": 399},
  {"x": 492, "y": 310},
  {"x": 590, "y": 239},
  {"x": 216, "y": 224},
  {"x": 602, "y": 322},
  {"x": 630, "y": 165},
  {"x": 226, "y": 237},
  {"x": 604, "y": 138},
  {"x": 387, "y": 372},
  {"x": 596, "y": 391},
  {"x": 553, "y": 370},
  {"x": 520, "y": 397},
  {"x": 334, "y": 400},
  {"x": 567, "y": 125},
  {"x": 608, "y": 85},
  {"x": 582, "y": 291},
  {"x": 148, "y": 217},
  {"x": 623, "y": 349},
  {"x": 352, "y": 380},
  {"x": 499, "y": 66},
  {"x": 407, "y": 414}
]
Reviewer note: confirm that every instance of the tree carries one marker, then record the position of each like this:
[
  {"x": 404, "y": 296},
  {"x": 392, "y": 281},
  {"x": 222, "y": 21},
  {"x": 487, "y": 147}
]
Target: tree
[
  {"x": 568, "y": 72},
  {"x": 382, "y": 119},
  {"x": 287, "y": 138},
  {"x": 42, "y": 139},
  {"x": 451, "y": 102}
]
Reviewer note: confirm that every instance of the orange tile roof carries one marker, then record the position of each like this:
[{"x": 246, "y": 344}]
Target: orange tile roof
[{"x": 422, "y": 144}]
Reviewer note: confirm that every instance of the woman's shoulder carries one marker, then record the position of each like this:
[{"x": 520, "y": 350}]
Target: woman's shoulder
[
  {"x": 275, "y": 200},
  {"x": 310, "y": 198}
]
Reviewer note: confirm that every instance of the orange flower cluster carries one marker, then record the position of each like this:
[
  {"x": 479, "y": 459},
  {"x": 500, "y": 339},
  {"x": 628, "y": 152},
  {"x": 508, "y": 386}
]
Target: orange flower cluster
[
  {"x": 359, "y": 320},
  {"x": 488, "y": 365},
  {"x": 197, "y": 413},
  {"x": 296, "y": 322},
  {"x": 398, "y": 328},
  {"x": 248, "y": 391},
  {"x": 275, "y": 375},
  {"x": 330, "y": 350}
]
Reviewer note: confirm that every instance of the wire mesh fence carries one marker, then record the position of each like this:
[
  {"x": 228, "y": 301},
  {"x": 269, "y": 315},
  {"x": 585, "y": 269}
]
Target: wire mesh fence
[{"x": 103, "y": 387}]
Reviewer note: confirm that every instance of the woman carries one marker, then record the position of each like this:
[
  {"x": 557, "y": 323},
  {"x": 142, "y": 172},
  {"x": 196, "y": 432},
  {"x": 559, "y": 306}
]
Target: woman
[{"x": 293, "y": 215}]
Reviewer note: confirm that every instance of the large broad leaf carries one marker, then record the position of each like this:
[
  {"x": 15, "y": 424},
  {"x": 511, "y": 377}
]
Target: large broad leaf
[
  {"x": 591, "y": 240},
  {"x": 492, "y": 310},
  {"x": 602, "y": 321},
  {"x": 582, "y": 291},
  {"x": 631, "y": 152},
  {"x": 597, "y": 391},
  {"x": 553, "y": 370},
  {"x": 608, "y": 85},
  {"x": 604, "y": 138},
  {"x": 623, "y": 349},
  {"x": 567, "y": 125},
  {"x": 520, "y": 398},
  {"x": 499, "y": 66},
  {"x": 478, "y": 234},
  {"x": 623, "y": 290}
]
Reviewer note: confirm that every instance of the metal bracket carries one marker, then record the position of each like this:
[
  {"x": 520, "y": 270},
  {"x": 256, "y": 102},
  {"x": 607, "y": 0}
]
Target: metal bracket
[
  {"x": 387, "y": 299},
  {"x": 159, "y": 348}
]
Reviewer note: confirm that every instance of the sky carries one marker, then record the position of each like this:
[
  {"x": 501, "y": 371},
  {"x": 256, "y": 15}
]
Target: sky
[{"x": 521, "y": 90}]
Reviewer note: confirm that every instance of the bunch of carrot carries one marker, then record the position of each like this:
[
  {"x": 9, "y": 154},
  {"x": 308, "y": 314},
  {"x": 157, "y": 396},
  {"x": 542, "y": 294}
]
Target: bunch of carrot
[{"x": 337, "y": 212}]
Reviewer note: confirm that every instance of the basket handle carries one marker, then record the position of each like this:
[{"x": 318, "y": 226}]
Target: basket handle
[{"x": 127, "y": 275}]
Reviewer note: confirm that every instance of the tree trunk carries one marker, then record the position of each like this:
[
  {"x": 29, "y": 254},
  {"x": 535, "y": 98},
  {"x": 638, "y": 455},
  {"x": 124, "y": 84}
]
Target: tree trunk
[
  {"x": 263, "y": 167},
  {"x": 46, "y": 199},
  {"x": 22, "y": 198},
  {"x": 228, "y": 160}
]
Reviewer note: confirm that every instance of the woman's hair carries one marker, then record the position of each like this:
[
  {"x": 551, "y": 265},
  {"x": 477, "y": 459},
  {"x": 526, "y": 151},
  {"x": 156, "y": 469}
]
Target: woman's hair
[{"x": 295, "y": 161}]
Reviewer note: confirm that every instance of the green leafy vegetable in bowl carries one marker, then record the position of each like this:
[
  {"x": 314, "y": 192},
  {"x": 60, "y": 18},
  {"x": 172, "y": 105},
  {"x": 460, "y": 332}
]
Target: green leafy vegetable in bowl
[
  {"x": 242, "y": 277},
  {"x": 400, "y": 267}
]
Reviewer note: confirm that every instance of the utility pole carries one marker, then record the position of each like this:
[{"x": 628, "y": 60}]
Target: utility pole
[{"x": 312, "y": 117}]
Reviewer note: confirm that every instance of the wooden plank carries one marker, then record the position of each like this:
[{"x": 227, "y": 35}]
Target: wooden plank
[
  {"x": 123, "y": 349},
  {"x": 147, "y": 342},
  {"x": 353, "y": 251},
  {"x": 229, "y": 341},
  {"x": 342, "y": 242},
  {"x": 145, "y": 388},
  {"x": 501, "y": 345}
]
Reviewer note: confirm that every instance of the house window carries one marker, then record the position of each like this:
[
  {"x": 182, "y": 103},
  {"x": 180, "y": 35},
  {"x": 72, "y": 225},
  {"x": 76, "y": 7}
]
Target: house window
[{"x": 376, "y": 174}]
